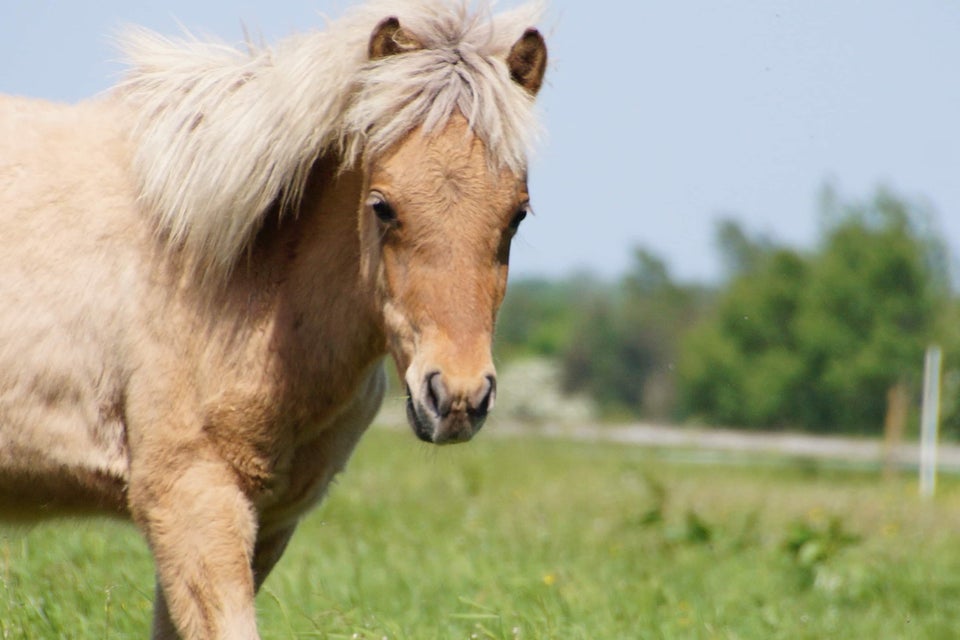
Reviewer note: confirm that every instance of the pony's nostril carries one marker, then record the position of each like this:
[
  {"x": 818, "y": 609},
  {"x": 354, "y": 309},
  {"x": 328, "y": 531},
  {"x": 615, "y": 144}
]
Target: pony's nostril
[
  {"x": 437, "y": 395},
  {"x": 442, "y": 400},
  {"x": 487, "y": 396}
]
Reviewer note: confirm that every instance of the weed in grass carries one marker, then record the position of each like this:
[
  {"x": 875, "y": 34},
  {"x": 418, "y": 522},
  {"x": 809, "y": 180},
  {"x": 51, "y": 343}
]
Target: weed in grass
[
  {"x": 696, "y": 530},
  {"x": 654, "y": 515},
  {"x": 811, "y": 546}
]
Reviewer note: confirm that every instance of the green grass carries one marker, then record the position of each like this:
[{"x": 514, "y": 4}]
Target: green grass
[{"x": 527, "y": 538}]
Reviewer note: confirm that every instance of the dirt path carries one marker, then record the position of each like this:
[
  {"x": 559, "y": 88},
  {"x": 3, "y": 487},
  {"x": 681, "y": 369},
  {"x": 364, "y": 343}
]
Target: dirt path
[{"x": 840, "y": 449}]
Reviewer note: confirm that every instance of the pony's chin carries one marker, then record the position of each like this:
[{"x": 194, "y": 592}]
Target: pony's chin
[{"x": 451, "y": 429}]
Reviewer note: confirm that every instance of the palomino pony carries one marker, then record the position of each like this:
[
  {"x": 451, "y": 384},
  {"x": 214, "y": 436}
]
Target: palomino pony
[{"x": 202, "y": 271}]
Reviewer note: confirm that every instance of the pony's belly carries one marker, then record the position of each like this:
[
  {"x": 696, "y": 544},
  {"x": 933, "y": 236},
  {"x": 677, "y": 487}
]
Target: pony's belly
[
  {"x": 28, "y": 495},
  {"x": 60, "y": 451}
]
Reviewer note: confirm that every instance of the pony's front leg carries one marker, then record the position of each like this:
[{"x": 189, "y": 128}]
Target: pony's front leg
[
  {"x": 267, "y": 552},
  {"x": 201, "y": 529}
]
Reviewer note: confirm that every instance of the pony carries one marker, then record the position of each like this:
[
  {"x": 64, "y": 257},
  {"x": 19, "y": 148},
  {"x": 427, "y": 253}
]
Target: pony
[{"x": 203, "y": 269}]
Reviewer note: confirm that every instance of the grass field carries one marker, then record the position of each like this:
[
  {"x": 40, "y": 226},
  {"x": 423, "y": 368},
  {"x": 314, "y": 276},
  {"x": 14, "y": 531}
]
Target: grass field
[{"x": 527, "y": 538}]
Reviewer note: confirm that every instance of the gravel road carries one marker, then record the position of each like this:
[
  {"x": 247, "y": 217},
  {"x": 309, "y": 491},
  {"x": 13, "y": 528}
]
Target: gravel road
[{"x": 839, "y": 449}]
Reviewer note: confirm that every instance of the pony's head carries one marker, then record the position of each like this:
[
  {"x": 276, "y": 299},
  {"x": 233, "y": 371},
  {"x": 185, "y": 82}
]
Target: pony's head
[
  {"x": 440, "y": 206},
  {"x": 431, "y": 107}
]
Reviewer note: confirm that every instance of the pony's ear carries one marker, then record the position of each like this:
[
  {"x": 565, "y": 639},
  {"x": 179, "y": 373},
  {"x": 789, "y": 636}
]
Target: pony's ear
[
  {"x": 528, "y": 61},
  {"x": 389, "y": 39}
]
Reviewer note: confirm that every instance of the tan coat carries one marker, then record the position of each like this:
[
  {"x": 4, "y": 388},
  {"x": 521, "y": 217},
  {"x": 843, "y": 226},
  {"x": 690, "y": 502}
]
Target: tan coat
[{"x": 213, "y": 399}]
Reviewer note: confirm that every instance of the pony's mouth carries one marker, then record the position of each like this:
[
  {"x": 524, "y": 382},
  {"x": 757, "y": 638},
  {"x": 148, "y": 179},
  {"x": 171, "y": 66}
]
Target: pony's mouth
[
  {"x": 421, "y": 429},
  {"x": 446, "y": 429}
]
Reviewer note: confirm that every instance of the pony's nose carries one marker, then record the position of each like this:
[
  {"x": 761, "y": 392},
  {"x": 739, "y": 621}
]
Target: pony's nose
[{"x": 447, "y": 396}]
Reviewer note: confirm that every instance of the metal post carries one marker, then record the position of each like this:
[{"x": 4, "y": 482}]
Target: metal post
[{"x": 929, "y": 422}]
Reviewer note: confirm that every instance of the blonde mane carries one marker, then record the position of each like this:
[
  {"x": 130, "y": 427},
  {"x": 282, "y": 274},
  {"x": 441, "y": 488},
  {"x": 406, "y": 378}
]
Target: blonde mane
[{"x": 224, "y": 134}]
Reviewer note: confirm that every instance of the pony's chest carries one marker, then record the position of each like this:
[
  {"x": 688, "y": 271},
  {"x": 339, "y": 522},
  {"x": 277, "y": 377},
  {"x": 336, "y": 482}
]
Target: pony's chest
[{"x": 300, "y": 480}]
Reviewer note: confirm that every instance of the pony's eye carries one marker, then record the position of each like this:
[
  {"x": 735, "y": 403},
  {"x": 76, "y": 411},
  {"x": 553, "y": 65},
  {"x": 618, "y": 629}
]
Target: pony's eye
[
  {"x": 382, "y": 209},
  {"x": 519, "y": 216}
]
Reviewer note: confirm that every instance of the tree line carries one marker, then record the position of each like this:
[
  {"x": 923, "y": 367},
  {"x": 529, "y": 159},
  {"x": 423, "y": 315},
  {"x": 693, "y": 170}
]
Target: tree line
[{"x": 814, "y": 340}]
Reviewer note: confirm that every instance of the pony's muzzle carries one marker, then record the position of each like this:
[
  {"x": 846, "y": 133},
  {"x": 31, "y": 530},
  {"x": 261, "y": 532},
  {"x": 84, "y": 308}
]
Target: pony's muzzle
[{"x": 447, "y": 410}]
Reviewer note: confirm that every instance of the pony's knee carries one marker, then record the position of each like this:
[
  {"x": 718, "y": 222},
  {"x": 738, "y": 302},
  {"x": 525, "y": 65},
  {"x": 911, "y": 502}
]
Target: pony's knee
[{"x": 201, "y": 529}]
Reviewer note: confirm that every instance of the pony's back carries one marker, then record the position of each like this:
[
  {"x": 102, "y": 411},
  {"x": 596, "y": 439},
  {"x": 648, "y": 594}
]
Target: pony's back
[{"x": 68, "y": 291}]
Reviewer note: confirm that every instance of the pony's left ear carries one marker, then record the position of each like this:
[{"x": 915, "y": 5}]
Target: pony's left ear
[
  {"x": 389, "y": 39},
  {"x": 528, "y": 61}
]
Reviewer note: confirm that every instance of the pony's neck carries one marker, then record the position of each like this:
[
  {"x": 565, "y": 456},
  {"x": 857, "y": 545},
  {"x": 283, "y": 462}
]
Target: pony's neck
[{"x": 326, "y": 312}]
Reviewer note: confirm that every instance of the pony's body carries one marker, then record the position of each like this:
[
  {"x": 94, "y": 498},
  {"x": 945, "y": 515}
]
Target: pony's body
[
  {"x": 106, "y": 327},
  {"x": 200, "y": 278}
]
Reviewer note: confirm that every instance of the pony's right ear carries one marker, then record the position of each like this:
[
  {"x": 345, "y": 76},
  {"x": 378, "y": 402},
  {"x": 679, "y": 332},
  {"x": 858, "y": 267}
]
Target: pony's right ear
[{"x": 389, "y": 39}]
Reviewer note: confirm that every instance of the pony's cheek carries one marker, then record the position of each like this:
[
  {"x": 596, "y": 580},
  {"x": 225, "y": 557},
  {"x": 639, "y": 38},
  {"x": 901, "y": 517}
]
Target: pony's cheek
[{"x": 401, "y": 337}]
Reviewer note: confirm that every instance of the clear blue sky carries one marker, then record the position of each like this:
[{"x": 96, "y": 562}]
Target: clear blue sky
[{"x": 662, "y": 116}]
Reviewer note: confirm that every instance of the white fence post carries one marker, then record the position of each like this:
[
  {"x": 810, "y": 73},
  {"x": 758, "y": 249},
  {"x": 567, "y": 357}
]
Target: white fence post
[{"x": 929, "y": 422}]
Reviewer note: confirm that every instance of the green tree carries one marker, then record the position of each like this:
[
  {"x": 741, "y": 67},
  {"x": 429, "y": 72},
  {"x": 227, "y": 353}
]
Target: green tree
[
  {"x": 948, "y": 337},
  {"x": 742, "y": 365},
  {"x": 871, "y": 308},
  {"x": 538, "y": 316},
  {"x": 624, "y": 347},
  {"x": 816, "y": 340},
  {"x": 741, "y": 252}
]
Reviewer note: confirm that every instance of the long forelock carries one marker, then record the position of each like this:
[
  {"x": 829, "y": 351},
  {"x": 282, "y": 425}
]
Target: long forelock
[
  {"x": 461, "y": 68},
  {"x": 224, "y": 135}
]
